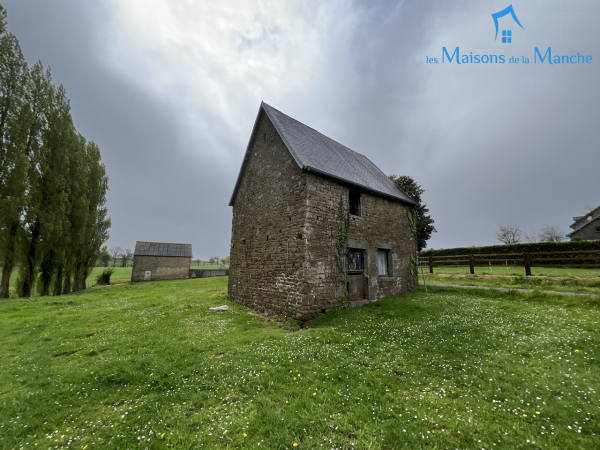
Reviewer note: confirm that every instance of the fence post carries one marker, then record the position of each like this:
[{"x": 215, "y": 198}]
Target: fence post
[
  {"x": 527, "y": 264},
  {"x": 431, "y": 264},
  {"x": 471, "y": 264}
]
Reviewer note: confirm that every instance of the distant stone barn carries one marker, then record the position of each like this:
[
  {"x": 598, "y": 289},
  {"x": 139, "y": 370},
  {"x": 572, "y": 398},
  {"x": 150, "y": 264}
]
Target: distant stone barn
[
  {"x": 287, "y": 221},
  {"x": 160, "y": 261}
]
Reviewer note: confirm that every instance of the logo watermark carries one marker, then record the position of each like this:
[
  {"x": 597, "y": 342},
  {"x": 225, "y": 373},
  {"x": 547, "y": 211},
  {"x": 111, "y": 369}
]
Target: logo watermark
[{"x": 544, "y": 56}]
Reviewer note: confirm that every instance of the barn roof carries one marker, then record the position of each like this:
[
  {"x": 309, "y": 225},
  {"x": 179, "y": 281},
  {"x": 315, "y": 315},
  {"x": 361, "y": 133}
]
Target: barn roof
[
  {"x": 162, "y": 249},
  {"x": 581, "y": 227},
  {"x": 316, "y": 153}
]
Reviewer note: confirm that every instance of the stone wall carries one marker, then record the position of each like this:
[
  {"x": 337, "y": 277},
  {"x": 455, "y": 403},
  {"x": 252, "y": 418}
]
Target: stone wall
[
  {"x": 267, "y": 243},
  {"x": 383, "y": 224},
  {"x": 160, "y": 268},
  {"x": 285, "y": 230}
]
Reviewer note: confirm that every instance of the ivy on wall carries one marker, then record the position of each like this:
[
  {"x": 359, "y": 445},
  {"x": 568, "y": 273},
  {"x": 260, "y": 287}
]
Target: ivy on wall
[
  {"x": 341, "y": 251},
  {"x": 414, "y": 255}
]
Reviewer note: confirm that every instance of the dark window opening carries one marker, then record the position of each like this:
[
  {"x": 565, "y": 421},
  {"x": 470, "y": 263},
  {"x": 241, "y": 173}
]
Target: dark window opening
[
  {"x": 354, "y": 203},
  {"x": 299, "y": 236},
  {"x": 383, "y": 259},
  {"x": 356, "y": 261},
  {"x": 597, "y": 229}
]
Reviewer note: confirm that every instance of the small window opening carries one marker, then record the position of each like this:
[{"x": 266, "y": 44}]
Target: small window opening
[
  {"x": 299, "y": 236},
  {"x": 382, "y": 262},
  {"x": 267, "y": 238},
  {"x": 356, "y": 261},
  {"x": 354, "y": 203},
  {"x": 597, "y": 229}
]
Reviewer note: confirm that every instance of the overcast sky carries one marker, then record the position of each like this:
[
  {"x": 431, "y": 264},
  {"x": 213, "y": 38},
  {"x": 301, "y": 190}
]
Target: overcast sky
[{"x": 169, "y": 90}]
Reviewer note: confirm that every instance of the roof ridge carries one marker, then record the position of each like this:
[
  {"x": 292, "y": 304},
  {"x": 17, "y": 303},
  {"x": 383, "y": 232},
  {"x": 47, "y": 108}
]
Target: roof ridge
[
  {"x": 583, "y": 225},
  {"x": 313, "y": 150},
  {"x": 317, "y": 131}
]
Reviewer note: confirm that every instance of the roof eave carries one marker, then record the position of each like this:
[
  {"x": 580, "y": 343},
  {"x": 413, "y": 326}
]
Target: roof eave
[
  {"x": 581, "y": 227},
  {"x": 365, "y": 188}
]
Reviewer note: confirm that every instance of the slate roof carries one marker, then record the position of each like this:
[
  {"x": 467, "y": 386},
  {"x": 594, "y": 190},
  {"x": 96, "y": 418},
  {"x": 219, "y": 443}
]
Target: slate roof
[
  {"x": 162, "y": 249},
  {"x": 578, "y": 224},
  {"x": 583, "y": 226},
  {"x": 316, "y": 153}
]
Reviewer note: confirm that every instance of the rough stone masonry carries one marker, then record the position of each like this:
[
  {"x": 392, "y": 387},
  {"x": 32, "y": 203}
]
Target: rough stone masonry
[
  {"x": 286, "y": 221},
  {"x": 160, "y": 261}
]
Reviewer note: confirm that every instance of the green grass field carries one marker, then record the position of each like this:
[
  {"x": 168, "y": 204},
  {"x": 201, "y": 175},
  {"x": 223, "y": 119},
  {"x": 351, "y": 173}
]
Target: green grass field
[
  {"x": 562, "y": 280},
  {"x": 519, "y": 271},
  {"x": 149, "y": 366}
]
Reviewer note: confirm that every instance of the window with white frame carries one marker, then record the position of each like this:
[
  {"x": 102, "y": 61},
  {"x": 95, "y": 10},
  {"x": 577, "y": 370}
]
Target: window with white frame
[{"x": 382, "y": 262}]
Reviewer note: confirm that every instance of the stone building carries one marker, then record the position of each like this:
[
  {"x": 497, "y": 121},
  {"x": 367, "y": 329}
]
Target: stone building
[
  {"x": 287, "y": 217},
  {"x": 586, "y": 227},
  {"x": 160, "y": 261}
]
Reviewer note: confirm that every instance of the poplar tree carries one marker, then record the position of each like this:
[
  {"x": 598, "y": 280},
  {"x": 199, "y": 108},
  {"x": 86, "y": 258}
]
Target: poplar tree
[
  {"x": 2, "y": 20},
  {"x": 53, "y": 216},
  {"x": 76, "y": 217},
  {"x": 39, "y": 94},
  {"x": 13, "y": 162},
  {"x": 97, "y": 224}
]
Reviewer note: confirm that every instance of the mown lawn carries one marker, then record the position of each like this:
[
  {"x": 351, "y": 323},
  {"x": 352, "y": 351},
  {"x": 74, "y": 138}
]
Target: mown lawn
[
  {"x": 120, "y": 275},
  {"x": 579, "y": 283},
  {"x": 149, "y": 366},
  {"x": 555, "y": 272}
]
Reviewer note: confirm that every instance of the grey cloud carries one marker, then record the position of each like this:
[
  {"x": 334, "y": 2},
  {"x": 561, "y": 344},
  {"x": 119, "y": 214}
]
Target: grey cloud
[{"x": 488, "y": 146}]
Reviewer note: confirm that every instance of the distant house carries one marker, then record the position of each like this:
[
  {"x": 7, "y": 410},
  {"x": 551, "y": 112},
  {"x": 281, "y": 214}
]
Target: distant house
[
  {"x": 160, "y": 261},
  {"x": 287, "y": 221},
  {"x": 586, "y": 227}
]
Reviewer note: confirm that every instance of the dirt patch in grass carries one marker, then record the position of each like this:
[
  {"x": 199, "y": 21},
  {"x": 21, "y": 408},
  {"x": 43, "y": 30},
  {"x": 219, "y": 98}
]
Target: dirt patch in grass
[{"x": 61, "y": 354}]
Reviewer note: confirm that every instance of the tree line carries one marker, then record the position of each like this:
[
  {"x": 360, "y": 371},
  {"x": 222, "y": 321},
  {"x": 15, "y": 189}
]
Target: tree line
[
  {"x": 512, "y": 234},
  {"x": 53, "y": 216}
]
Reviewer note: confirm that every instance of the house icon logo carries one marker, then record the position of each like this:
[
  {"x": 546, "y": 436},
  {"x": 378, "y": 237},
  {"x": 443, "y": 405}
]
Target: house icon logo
[{"x": 506, "y": 34}]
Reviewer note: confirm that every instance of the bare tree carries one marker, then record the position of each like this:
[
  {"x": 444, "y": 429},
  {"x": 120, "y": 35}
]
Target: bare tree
[
  {"x": 126, "y": 255},
  {"x": 508, "y": 234},
  {"x": 114, "y": 253},
  {"x": 551, "y": 233},
  {"x": 532, "y": 237}
]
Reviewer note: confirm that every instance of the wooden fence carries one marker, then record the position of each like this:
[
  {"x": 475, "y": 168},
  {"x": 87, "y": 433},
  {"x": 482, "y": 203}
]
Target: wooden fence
[{"x": 572, "y": 258}]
